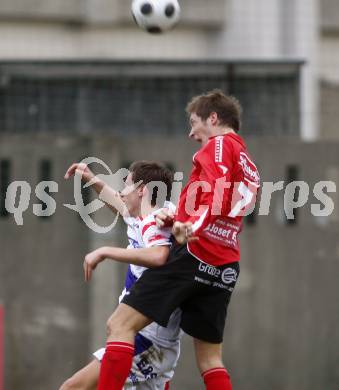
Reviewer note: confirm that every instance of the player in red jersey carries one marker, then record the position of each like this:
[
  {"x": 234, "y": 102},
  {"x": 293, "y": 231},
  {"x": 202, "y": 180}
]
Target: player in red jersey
[{"x": 200, "y": 275}]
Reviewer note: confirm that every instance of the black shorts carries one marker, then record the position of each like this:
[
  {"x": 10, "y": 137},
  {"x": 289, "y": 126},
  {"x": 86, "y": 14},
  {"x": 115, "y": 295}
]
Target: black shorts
[{"x": 202, "y": 292}]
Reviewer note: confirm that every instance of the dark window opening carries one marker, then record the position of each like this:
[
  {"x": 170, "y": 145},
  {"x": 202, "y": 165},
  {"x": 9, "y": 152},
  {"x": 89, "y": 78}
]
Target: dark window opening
[{"x": 5, "y": 172}]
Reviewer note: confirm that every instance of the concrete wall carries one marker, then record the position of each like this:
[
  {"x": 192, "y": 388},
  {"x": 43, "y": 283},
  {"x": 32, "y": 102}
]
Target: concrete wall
[
  {"x": 105, "y": 12},
  {"x": 102, "y": 29},
  {"x": 329, "y": 68},
  {"x": 50, "y": 10},
  {"x": 282, "y": 328},
  {"x": 329, "y": 110},
  {"x": 46, "y": 41},
  {"x": 45, "y": 299},
  {"x": 329, "y": 59},
  {"x": 261, "y": 29},
  {"x": 329, "y": 15}
]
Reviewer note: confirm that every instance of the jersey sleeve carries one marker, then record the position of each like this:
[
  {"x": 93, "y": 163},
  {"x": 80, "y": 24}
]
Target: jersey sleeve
[
  {"x": 128, "y": 220},
  {"x": 152, "y": 235},
  {"x": 170, "y": 206}
]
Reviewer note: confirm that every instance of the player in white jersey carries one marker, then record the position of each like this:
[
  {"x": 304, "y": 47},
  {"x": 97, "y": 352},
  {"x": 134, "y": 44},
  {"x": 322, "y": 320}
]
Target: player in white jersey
[{"x": 157, "y": 349}]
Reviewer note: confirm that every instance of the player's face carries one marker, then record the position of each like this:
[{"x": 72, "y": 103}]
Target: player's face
[
  {"x": 131, "y": 195},
  {"x": 199, "y": 128}
]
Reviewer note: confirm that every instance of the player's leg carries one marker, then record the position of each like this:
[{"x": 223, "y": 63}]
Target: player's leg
[
  {"x": 156, "y": 294},
  {"x": 125, "y": 323},
  {"x": 208, "y": 355},
  {"x": 85, "y": 379},
  {"x": 204, "y": 315},
  {"x": 122, "y": 328},
  {"x": 153, "y": 365},
  {"x": 209, "y": 361},
  {"x": 155, "y": 384}
]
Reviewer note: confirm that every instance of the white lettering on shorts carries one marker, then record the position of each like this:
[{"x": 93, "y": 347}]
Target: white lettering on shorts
[
  {"x": 209, "y": 269},
  {"x": 229, "y": 275}
]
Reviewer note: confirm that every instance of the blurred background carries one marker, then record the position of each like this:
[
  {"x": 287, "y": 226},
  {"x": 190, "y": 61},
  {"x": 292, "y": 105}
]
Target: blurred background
[{"x": 78, "y": 78}]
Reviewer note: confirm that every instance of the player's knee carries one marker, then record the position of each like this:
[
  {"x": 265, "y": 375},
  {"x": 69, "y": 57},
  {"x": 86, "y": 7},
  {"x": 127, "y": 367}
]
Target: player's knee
[
  {"x": 71, "y": 384},
  {"x": 118, "y": 330},
  {"x": 114, "y": 328},
  {"x": 125, "y": 323}
]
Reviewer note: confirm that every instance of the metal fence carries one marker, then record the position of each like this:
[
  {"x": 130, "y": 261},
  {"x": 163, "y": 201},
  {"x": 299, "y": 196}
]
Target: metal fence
[{"x": 136, "y": 97}]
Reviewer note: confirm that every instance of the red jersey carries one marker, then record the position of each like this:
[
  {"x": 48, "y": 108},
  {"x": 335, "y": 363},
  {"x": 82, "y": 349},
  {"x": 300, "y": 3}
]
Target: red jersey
[{"x": 221, "y": 190}]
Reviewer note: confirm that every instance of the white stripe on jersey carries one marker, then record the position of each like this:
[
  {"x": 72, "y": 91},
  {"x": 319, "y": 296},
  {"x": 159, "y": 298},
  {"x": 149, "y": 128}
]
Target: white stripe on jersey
[
  {"x": 200, "y": 221},
  {"x": 219, "y": 149}
]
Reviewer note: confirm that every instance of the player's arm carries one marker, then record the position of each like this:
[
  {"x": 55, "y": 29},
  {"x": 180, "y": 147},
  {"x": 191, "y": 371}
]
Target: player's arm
[
  {"x": 183, "y": 232},
  {"x": 154, "y": 256},
  {"x": 107, "y": 194},
  {"x": 164, "y": 217}
]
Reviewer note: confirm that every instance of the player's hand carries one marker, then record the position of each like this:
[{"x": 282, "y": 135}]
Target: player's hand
[
  {"x": 183, "y": 232},
  {"x": 164, "y": 218},
  {"x": 90, "y": 263},
  {"x": 80, "y": 169}
]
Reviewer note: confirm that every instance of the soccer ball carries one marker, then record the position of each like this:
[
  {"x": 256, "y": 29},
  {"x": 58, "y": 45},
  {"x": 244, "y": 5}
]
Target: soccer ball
[{"x": 156, "y": 16}]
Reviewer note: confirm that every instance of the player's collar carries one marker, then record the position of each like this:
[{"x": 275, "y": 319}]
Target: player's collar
[
  {"x": 230, "y": 134},
  {"x": 222, "y": 135}
]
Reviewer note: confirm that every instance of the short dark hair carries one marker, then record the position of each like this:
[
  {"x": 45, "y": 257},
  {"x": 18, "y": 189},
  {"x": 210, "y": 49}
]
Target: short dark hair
[
  {"x": 152, "y": 171},
  {"x": 227, "y": 108}
]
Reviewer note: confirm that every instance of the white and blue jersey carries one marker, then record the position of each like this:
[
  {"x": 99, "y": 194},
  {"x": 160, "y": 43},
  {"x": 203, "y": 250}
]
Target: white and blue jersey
[
  {"x": 157, "y": 348},
  {"x": 144, "y": 233}
]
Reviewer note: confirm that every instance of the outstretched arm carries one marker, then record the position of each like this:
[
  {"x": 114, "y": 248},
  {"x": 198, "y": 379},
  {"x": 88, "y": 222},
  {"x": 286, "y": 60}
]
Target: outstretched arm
[
  {"x": 107, "y": 194},
  {"x": 145, "y": 257}
]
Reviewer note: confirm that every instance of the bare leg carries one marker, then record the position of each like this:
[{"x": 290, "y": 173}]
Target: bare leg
[
  {"x": 85, "y": 379},
  {"x": 125, "y": 323},
  {"x": 208, "y": 355},
  {"x": 210, "y": 364},
  {"x": 122, "y": 328}
]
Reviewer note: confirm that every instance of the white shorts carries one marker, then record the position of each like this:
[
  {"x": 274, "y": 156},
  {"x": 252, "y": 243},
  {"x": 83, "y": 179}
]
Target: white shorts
[{"x": 152, "y": 368}]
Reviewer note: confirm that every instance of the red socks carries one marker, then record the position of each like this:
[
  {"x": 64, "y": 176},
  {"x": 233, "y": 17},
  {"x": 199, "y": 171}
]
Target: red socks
[
  {"x": 117, "y": 362},
  {"x": 217, "y": 379},
  {"x": 115, "y": 366}
]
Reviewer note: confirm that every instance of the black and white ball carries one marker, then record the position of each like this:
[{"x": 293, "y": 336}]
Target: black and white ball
[{"x": 156, "y": 16}]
